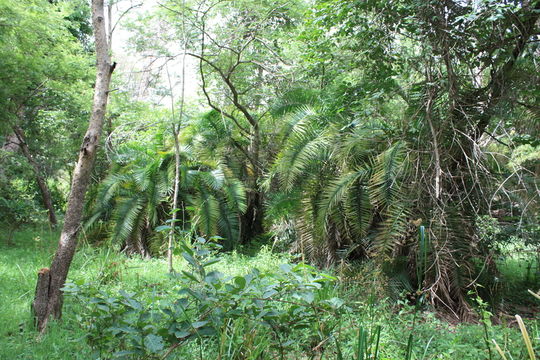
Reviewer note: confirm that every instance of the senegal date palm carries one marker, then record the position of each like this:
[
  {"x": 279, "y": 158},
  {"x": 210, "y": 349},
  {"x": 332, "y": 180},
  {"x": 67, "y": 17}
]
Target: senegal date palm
[
  {"x": 133, "y": 199},
  {"x": 350, "y": 181}
]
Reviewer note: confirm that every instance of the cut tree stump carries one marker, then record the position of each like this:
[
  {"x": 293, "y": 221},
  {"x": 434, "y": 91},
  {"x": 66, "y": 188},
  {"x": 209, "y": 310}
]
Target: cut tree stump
[{"x": 41, "y": 299}]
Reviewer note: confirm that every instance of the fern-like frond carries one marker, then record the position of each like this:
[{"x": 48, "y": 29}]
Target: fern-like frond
[
  {"x": 388, "y": 168},
  {"x": 280, "y": 205},
  {"x": 110, "y": 187},
  {"x": 127, "y": 217},
  {"x": 358, "y": 210},
  {"x": 228, "y": 225},
  {"x": 359, "y": 146},
  {"x": 336, "y": 192},
  {"x": 235, "y": 195},
  {"x": 213, "y": 179},
  {"x": 303, "y": 148},
  {"x": 392, "y": 230},
  {"x": 207, "y": 212},
  {"x": 292, "y": 100},
  {"x": 302, "y": 115}
]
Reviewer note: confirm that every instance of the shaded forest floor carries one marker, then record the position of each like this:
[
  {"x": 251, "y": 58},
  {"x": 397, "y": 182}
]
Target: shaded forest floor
[{"x": 433, "y": 338}]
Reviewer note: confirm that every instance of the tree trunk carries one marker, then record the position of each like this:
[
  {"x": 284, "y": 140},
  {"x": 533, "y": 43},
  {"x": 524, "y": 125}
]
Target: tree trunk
[
  {"x": 42, "y": 184},
  {"x": 252, "y": 220},
  {"x": 176, "y": 132},
  {"x": 48, "y": 302},
  {"x": 175, "y": 199}
]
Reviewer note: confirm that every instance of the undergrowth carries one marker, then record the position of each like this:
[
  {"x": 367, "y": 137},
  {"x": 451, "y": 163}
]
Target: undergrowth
[{"x": 350, "y": 319}]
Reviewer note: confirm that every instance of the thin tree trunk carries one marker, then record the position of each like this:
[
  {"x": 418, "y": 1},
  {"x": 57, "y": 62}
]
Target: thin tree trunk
[
  {"x": 254, "y": 215},
  {"x": 176, "y": 131},
  {"x": 436, "y": 154},
  {"x": 175, "y": 199},
  {"x": 42, "y": 183},
  {"x": 49, "y": 299}
]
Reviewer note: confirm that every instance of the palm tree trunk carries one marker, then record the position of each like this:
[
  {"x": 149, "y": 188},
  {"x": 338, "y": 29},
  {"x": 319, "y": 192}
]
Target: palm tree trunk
[{"x": 49, "y": 297}]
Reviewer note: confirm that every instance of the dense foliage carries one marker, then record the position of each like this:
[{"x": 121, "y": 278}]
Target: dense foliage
[{"x": 400, "y": 135}]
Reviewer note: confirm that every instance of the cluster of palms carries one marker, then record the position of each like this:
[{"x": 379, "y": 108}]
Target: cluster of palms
[
  {"x": 399, "y": 134},
  {"x": 128, "y": 205},
  {"x": 341, "y": 186},
  {"x": 346, "y": 190},
  {"x": 347, "y": 182}
]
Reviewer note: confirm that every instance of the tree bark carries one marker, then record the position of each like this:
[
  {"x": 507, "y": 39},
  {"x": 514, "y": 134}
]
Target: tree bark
[
  {"x": 42, "y": 183},
  {"x": 170, "y": 248},
  {"x": 51, "y": 300},
  {"x": 175, "y": 133},
  {"x": 252, "y": 224}
]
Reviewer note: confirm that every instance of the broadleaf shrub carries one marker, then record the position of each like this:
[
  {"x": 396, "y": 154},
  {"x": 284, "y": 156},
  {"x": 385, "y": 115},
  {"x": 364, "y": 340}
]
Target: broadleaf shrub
[{"x": 209, "y": 306}]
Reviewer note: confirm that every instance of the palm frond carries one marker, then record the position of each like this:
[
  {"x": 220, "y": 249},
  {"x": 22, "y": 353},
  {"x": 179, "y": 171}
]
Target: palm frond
[
  {"x": 358, "y": 210},
  {"x": 207, "y": 212},
  {"x": 213, "y": 179},
  {"x": 110, "y": 187},
  {"x": 292, "y": 100},
  {"x": 384, "y": 184},
  {"x": 304, "y": 147},
  {"x": 336, "y": 192},
  {"x": 228, "y": 225},
  {"x": 235, "y": 195},
  {"x": 392, "y": 230},
  {"x": 127, "y": 218},
  {"x": 302, "y": 115}
]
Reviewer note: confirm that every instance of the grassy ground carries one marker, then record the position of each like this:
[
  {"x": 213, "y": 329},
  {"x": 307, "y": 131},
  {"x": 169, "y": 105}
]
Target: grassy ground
[{"x": 19, "y": 263}]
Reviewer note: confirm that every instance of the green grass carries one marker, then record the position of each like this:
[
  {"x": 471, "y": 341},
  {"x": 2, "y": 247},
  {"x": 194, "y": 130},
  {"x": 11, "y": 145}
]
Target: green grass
[
  {"x": 19, "y": 264},
  {"x": 33, "y": 249},
  {"x": 517, "y": 275}
]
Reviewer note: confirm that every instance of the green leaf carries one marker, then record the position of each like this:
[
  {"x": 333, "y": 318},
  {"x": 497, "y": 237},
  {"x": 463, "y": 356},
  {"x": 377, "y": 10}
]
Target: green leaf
[
  {"x": 153, "y": 343},
  {"x": 302, "y": 266},
  {"x": 201, "y": 240},
  {"x": 206, "y": 331},
  {"x": 240, "y": 282},
  {"x": 199, "y": 324},
  {"x": 269, "y": 293},
  {"x": 190, "y": 276},
  {"x": 103, "y": 307},
  {"x": 286, "y": 268},
  {"x": 308, "y": 297},
  {"x": 327, "y": 277},
  {"x": 124, "y": 353},
  {"x": 190, "y": 260},
  {"x": 211, "y": 262},
  {"x": 163, "y": 228},
  {"x": 335, "y": 302},
  {"x": 181, "y": 334},
  {"x": 186, "y": 248}
]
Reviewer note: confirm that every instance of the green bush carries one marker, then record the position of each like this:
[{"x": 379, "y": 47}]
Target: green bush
[
  {"x": 17, "y": 206},
  {"x": 242, "y": 314}
]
